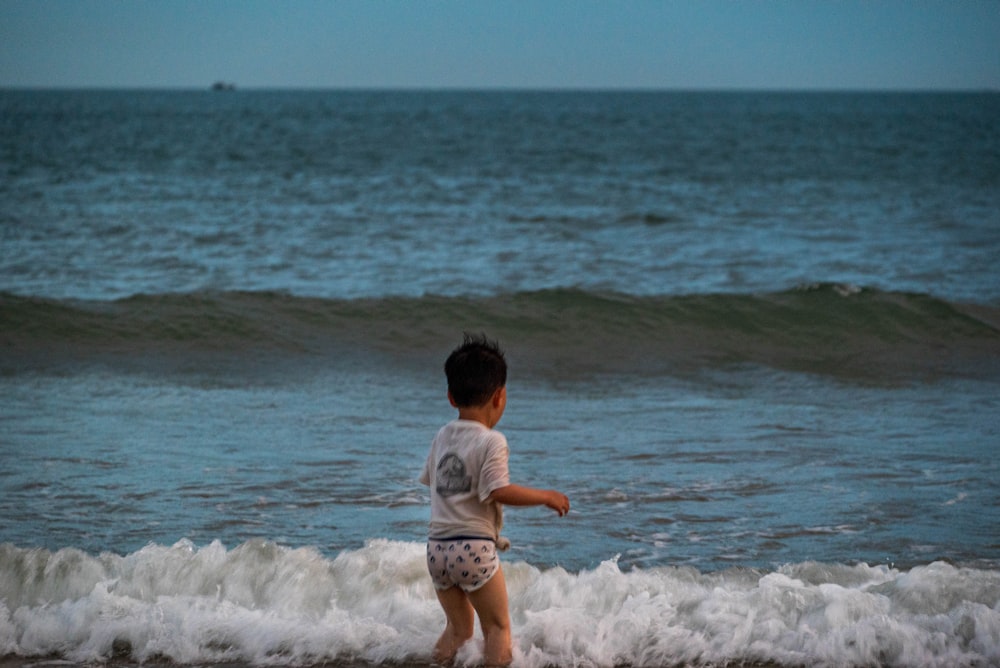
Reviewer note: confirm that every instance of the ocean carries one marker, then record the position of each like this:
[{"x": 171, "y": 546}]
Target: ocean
[{"x": 754, "y": 337}]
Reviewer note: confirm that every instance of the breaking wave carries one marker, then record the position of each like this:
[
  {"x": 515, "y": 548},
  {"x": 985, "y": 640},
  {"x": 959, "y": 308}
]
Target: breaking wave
[
  {"x": 263, "y": 604},
  {"x": 824, "y": 328}
]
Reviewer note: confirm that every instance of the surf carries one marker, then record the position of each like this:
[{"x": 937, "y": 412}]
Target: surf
[{"x": 261, "y": 603}]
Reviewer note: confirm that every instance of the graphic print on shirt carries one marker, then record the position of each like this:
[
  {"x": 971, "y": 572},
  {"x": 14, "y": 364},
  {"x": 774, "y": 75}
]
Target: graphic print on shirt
[{"x": 451, "y": 477}]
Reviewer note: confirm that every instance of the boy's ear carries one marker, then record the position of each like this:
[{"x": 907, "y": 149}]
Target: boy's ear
[
  {"x": 451, "y": 399},
  {"x": 499, "y": 396}
]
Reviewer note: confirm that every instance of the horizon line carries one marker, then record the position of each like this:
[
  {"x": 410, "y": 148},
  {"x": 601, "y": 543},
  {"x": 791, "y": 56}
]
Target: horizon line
[{"x": 236, "y": 88}]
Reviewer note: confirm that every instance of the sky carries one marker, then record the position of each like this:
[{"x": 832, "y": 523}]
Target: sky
[{"x": 552, "y": 44}]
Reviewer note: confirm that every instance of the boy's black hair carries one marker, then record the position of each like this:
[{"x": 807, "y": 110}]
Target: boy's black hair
[{"x": 475, "y": 370}]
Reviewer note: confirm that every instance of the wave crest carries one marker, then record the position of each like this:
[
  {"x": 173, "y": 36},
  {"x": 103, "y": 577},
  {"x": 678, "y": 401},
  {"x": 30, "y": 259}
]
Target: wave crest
[{"x": 824, "y": 328}]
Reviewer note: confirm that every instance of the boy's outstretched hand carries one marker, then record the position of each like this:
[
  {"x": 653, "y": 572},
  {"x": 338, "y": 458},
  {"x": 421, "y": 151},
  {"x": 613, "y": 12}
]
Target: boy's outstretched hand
[{"x": 558, "y": 502}]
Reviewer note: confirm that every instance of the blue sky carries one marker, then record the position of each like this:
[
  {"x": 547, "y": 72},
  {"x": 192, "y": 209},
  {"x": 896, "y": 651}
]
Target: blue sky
[{"x": 671, "y": 44}]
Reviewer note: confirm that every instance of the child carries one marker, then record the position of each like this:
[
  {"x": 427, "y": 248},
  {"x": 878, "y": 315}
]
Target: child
[{"x": 467, "y": 473}]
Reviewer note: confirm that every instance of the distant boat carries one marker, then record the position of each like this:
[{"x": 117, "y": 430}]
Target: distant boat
[{"x": 222, "y": 85}]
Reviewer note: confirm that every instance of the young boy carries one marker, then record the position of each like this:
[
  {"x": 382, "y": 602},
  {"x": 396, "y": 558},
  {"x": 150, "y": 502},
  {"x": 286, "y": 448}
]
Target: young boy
[{"x": 466, "y": 471}]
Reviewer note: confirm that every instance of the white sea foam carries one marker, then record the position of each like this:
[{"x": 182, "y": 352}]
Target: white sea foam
[{"x": 264, "y": 604}]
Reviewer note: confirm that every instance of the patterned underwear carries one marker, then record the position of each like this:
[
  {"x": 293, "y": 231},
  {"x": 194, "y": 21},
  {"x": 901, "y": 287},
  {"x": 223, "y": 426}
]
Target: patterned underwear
[{"x": 468, "y": 563}]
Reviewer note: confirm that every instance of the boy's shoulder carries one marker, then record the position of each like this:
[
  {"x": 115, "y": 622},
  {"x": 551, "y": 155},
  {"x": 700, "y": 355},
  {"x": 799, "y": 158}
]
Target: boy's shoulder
[
  {"x": 469, "y": 431},
  {"x": 465, "y": 428}
]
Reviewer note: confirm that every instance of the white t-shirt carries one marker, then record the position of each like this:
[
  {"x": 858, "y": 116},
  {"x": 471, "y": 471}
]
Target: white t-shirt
[{"x": 467, "y": 462}]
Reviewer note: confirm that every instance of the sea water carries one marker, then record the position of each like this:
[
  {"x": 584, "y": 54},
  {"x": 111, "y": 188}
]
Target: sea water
[{"x": 754, "y": 337}]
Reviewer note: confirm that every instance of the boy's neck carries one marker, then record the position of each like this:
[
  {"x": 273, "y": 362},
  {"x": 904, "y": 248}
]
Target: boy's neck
[{"x": 480, "y": 414}]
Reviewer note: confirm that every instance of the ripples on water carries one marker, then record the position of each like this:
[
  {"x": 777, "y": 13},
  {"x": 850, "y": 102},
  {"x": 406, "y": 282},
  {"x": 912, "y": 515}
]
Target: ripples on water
[
  {"x": 755, "y": 473},
  {"x": 343, "y": 194}
]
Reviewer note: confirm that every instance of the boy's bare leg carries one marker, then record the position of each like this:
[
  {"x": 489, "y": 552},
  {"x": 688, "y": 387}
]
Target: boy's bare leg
[
  {"x": 490, "y": 602},
  {"x": 460, "y": 627}
]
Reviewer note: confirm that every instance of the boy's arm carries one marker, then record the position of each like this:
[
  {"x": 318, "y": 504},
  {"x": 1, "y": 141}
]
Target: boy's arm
[{"x": 518, "y": 495}]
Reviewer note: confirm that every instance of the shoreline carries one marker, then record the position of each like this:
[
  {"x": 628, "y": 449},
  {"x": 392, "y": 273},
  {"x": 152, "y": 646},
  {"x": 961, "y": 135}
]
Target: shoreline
[{"x": 14, "y": 661}]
